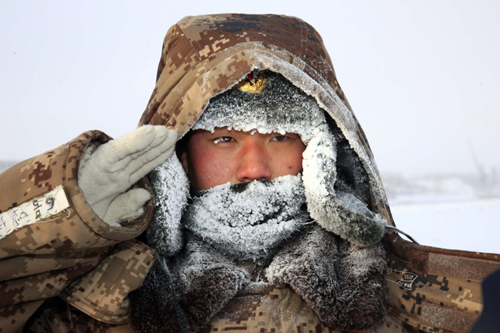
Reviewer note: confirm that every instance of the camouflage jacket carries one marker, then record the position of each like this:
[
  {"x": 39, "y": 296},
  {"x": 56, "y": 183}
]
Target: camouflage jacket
[
  {"x": 430, "y": 289},
  {"x": 53, "y": 244},
  {"x": 62, "y": 269}
]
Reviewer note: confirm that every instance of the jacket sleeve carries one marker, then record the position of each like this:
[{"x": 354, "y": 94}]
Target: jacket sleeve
[
  {"x": 49, "y": 235},
  {"x": 433, "y": 289}
]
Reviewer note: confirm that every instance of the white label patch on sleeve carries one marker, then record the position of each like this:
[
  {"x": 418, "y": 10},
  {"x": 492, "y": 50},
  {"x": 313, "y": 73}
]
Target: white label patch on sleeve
[{"x": 34, "y": 211}]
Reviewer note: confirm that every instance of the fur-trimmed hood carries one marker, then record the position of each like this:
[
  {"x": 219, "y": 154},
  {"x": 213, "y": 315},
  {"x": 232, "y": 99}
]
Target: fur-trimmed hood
[{"x": 204, "y": 56}]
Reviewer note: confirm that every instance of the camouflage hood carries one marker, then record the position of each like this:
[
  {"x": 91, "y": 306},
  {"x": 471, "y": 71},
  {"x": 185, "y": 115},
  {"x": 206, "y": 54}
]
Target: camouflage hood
[{"x": 204, "y": 56}]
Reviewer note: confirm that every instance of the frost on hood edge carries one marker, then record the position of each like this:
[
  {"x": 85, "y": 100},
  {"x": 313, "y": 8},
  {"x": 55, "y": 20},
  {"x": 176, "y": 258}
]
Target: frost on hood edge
[
  {"x": 171, "y": 187},
  {"x": 283, "y": 107},
  {"x": 341, "y": 213},
  {"x": 323, "y": 93}
]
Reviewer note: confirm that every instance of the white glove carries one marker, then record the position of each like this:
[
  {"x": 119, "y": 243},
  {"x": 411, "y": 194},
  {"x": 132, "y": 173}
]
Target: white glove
[{"x": 107, "y": 172}]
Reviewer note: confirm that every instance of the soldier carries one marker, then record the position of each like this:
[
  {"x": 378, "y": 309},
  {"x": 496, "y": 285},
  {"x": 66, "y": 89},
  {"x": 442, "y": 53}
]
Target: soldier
[
  {"x": 247, "y": 225},
  {"x": 260, "y": 117}
]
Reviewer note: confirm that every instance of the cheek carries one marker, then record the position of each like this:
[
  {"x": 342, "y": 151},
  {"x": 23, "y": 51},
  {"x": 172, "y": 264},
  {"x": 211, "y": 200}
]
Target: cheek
[
  {"x": 208, "y": 169},
  {"x": 295, "y": 163},
  {"x": 288, "y": 162}
]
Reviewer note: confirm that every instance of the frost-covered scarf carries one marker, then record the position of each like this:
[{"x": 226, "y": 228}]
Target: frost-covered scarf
[{"x": 248, "y": 221}]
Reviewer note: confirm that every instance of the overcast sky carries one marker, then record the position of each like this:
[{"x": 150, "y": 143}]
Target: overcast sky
[{"x": 423, "y": 77}]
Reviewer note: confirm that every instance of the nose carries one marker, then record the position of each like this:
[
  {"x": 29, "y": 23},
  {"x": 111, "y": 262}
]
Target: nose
[{"x": 254, "y": 164}]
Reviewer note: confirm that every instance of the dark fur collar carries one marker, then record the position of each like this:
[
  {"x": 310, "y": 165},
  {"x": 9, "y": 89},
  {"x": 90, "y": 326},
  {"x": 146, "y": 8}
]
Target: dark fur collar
[{"x": 345, "y": 285}]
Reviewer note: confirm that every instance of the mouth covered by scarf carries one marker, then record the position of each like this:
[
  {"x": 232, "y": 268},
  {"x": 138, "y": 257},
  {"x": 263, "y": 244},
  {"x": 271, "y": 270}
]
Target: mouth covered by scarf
[{"x": 248, "y": 221}]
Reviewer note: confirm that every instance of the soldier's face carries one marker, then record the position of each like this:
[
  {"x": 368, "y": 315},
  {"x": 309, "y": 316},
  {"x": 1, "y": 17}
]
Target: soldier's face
[{"x": 212, "y": 159}]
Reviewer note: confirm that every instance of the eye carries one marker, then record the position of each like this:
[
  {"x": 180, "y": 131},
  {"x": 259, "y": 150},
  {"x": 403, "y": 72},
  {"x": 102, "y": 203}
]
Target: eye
[
  {"x": 280, "y": 138},
  {"x": 223, "y": 139}
]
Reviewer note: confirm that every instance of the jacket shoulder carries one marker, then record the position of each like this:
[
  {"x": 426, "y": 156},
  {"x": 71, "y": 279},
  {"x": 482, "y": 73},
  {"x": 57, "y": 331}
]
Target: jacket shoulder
[
  {"x": 433, "y": 289},
  {"x": 50, "y": 237}
]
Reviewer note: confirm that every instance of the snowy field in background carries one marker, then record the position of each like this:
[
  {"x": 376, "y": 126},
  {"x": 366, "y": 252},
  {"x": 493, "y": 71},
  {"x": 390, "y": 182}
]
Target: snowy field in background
[
  {"x": 467, "y": 224},
  {"x": 448, "y": 211}
]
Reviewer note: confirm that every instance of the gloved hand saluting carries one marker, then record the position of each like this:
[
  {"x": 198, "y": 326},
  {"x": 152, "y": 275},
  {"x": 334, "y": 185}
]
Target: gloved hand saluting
[{"x": 107, "y": 172}]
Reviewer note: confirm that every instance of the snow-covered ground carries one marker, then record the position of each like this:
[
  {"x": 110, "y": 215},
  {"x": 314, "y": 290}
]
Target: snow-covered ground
[
  {"x": 467, "y": 224},
  {"x": 449, "y": 211}
]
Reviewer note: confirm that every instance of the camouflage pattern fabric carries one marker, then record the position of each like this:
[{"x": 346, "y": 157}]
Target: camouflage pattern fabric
[
  {"x": 59, "y": 317},
  {"x": 262, "y": 307},
  {"x": 102, "y": 293},
  {"x": 41, "y": 260},
  {"x": 436, "y": 290}
]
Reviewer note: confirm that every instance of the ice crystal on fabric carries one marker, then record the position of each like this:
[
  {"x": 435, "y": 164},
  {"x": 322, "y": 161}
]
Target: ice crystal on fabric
[
  {"x": 280, "y": 108},
  {"x": 248, "y": 223},
  {"x": 171, "y": 187}
]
